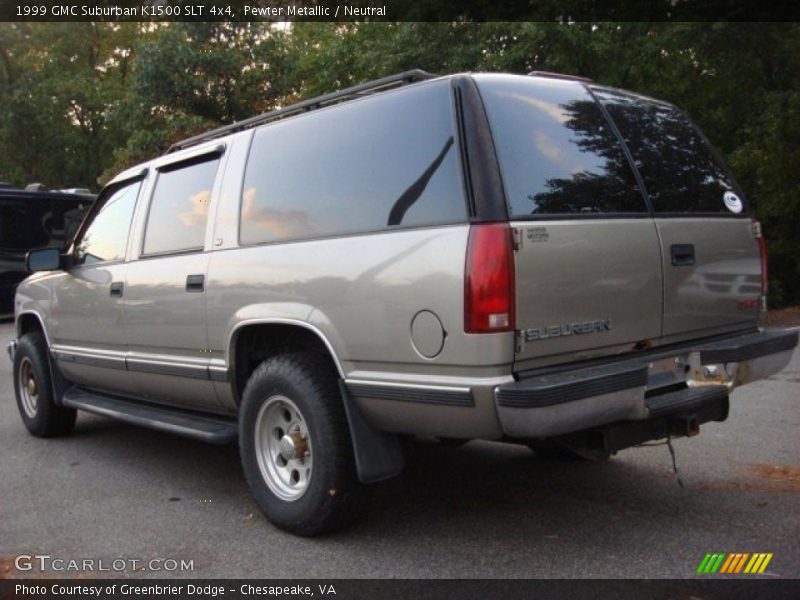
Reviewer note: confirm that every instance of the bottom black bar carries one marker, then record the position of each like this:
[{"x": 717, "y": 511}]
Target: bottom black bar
[{"x": 731, "y": 587}]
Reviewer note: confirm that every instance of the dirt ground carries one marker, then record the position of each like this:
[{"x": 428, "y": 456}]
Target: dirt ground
[{"x": 785, "y": 317}]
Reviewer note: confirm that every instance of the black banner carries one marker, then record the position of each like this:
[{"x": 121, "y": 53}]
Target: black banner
[{"x": 397, "y": 10}]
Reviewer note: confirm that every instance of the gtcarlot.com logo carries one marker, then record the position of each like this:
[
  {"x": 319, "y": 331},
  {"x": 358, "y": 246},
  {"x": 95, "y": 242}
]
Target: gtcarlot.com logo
[
  {"x": 46, "y": 562},
  {"x": 731, "y": 563}
]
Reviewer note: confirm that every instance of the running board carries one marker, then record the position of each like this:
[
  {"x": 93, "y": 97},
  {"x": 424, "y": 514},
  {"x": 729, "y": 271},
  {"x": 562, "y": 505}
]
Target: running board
[{"x": 207, "y": 428}]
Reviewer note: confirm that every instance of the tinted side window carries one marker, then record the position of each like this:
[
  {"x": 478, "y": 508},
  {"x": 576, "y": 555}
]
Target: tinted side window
[
  {"x": 557, "y": 152},
  {"x": 107, "y": 235},
  {"x": 14, "y": 227},
  {"x": 179, "y": 208},
  {"x": 44, "y": 222},
  {"x": 385, "y": 161},
  {"x": 679, "y": 168},
  {"x": 54, "y": 221}
]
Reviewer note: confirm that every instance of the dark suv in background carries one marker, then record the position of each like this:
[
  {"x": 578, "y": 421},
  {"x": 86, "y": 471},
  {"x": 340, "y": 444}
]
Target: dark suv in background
[{"x": 34, "y": 218}]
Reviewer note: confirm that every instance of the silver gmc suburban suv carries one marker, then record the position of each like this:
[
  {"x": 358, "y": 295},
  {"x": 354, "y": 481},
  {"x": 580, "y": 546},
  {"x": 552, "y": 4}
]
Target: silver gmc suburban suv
[{"x": 535, "y": 259}]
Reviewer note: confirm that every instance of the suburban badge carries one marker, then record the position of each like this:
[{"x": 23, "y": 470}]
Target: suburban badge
[{"x": 578, "y": 328}]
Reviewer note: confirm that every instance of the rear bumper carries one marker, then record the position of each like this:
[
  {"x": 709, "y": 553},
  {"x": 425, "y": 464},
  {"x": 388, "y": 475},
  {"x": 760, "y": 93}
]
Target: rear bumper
[
  {"x": 674, "y": 414},
  {"x": 658, "y": 385}
]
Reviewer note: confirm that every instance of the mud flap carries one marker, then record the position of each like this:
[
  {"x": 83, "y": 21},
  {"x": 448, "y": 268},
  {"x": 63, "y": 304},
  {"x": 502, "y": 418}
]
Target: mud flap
[
  {"x": 60, "y": 384},
  {"x": 378, "y": 454}
]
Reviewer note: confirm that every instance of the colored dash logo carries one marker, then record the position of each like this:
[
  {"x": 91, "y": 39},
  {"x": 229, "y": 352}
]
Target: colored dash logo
[{"x": 734, "y": 562}]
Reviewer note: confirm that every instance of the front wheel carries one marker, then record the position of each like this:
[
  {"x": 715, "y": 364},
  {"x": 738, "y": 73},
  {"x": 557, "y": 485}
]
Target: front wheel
[
  {"x": 33, "y": 386},
  {"x": 295, "y": 446}
]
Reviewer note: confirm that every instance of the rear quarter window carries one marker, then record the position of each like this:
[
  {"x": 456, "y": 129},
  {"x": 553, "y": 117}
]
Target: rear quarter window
[
  {"x": 387, "y": 161},
  {"x": 557, "y": 152},
  {"x": 681, "y": 171}
]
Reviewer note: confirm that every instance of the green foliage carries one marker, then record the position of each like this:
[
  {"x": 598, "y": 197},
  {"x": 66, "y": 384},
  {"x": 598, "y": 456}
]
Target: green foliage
[
  {"x": 83, "y": 100},
  {"x": 62, "y": 87}
]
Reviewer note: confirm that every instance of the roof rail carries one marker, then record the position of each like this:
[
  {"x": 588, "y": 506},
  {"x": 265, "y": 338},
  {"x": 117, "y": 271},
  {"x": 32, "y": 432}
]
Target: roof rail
[
  {"x": 552, "y": 75},
  {"x": 362, "y": 89}
]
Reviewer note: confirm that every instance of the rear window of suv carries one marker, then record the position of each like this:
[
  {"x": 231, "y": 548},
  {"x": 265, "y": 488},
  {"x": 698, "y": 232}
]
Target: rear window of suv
[
  {"x": 557, "y": 152},
  {"x": 386, "y": 161},
  {"x": 681, "y": 171}
]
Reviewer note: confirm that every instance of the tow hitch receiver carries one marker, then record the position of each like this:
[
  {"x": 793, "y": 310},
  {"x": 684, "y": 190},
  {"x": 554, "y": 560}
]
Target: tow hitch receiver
[
  {"x": 687, "y": 425},
  {"x": 683, "y": 421}
]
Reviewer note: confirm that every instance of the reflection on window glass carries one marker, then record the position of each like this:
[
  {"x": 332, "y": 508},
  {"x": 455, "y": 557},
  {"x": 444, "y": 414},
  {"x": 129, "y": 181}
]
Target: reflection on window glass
[
  {"x": 179, "y": 208},
  {"x": 557, "y": 152},
  {"x": 385, "y": 161},
  {"x": 107, "y": 235},
  {"x": 678, "y": 167},
  {"x": 13, "y": 229},
  {"x": 40, "y": 222}
]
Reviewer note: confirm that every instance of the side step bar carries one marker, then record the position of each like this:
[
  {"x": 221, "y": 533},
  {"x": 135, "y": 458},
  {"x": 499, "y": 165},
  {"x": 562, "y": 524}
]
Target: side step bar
[{"x": 207, "y": 428}]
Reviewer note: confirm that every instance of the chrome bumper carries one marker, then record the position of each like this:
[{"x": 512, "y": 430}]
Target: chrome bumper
[
  {"x": 12, "y": 349},
  {"x": 564, "y": 402}
]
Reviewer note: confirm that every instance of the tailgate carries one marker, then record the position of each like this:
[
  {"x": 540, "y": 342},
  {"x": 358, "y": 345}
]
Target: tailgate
[
  {"x": 587, "y": 287},
  {"x": 711, "y": 259},
  {"x": 720, "y": 288}
]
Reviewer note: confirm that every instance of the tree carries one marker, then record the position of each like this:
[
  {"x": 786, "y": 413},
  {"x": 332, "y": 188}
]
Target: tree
[
  {"x": 63, "y": 84},
  {"x": 191, "y": 77},
  {"x": 83, "y": 100}
]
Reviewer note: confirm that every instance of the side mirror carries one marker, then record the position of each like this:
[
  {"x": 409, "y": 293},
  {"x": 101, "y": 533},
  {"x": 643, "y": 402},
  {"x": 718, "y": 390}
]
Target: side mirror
[{"x": 43, "y": 259}]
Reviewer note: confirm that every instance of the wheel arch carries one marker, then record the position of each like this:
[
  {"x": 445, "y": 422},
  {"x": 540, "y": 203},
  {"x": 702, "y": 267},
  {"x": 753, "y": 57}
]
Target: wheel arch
[
  {"x": 377, "y": 454},
  {"x": 254, "y": 340},
  {"x": 29, "y": 321}
]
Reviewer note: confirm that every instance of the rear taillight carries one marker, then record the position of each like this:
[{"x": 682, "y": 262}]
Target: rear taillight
[
  {"x": 489, "y": 279},
  {"x": 762, "y": 250}
]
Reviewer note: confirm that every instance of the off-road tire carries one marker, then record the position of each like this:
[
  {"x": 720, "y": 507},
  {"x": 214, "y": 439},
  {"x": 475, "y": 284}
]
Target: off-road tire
[
  {"x": 46, "y": 418},
  {"x": 333, "y": 498}
]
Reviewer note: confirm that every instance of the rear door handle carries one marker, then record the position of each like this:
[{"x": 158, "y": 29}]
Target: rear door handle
[
  {"x": 682, "y": 255},
  {"x": 116, "y": 289},
  {"x": 195, "y": 283}
]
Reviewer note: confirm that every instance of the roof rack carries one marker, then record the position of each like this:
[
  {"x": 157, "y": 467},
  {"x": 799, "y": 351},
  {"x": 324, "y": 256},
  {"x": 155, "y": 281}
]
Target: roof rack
[
  {"x": 552, "y": 75},
  {"x": 40, "y": 187},
  {"x": 362, "y": 89}
]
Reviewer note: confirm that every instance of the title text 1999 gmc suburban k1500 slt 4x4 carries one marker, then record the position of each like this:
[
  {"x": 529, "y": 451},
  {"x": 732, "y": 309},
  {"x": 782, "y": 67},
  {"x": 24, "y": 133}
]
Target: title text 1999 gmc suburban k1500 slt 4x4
[{"x": 536, "y": 259}]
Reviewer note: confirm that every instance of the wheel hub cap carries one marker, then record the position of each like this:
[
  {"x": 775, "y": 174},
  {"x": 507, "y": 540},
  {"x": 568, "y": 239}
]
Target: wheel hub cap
[
  {"x": 284, "y": 448},
  {"x": 293, "y": 445},
  {"x": 27, "y": 387}
]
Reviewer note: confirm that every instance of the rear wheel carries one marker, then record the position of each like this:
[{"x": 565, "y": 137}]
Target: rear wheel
[
  {"x": 295, "y": 446},
  {"x": 33, "y": 386}
]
